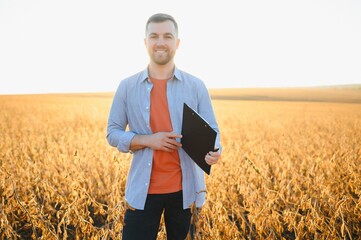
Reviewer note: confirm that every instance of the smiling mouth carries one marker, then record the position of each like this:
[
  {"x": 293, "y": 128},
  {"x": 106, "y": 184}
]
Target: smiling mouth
[
  {"x": 161, "y": 53},
  {"x": 160, "y": 49}
]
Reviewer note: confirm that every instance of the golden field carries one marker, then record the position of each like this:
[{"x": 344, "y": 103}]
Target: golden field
[{"x": 290, "y": 167}]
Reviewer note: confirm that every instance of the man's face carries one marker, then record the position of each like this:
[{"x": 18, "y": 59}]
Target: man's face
[{"x": 161, "y": 42}]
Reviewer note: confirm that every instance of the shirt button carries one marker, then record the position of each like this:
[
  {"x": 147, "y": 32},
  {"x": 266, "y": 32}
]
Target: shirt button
[
  {"x": 146, "y": 184},
  {"x": 148, "y": 164}
]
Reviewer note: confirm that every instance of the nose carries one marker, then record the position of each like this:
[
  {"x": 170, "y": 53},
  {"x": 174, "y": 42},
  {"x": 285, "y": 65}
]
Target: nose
[{"x": 160, "y": 41}]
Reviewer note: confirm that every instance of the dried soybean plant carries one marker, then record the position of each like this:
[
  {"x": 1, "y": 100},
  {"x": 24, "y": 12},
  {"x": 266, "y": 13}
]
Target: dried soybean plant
[{"x": 289, "y": 170}]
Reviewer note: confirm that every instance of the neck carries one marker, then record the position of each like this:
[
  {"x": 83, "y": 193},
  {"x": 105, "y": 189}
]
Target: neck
[{"x": 161, "y": 71}]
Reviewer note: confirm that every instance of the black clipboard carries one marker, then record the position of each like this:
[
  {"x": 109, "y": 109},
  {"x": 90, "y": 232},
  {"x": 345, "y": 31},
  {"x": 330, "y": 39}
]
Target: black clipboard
[{"x": 198, "y": 138}]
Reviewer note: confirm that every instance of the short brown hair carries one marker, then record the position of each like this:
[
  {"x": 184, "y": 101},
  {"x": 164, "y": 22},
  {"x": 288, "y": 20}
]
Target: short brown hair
[{"x": 161, "y": 17}]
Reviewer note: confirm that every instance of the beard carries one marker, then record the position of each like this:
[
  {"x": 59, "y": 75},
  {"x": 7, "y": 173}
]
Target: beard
[{"x": 161, "y": 58}]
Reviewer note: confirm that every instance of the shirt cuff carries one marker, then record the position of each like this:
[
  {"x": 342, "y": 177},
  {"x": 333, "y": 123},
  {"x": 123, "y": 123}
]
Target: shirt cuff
[{"x": 124, "y": 143}]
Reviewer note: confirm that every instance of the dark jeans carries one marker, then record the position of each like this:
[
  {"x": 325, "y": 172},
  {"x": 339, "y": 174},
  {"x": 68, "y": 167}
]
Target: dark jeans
[{"x": 144, "y": 224}]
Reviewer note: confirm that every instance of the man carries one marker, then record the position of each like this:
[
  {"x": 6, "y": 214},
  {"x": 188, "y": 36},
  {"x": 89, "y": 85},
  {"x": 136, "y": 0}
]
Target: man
[{"x": 162, "y": 178}]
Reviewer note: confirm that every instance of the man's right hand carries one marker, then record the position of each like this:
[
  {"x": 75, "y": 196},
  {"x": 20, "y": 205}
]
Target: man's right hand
[{"x": 163, "y": 141}]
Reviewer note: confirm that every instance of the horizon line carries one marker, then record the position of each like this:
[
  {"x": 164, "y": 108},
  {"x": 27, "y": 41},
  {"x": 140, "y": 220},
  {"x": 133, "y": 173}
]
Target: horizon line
[{"x": 351, "y": 85}]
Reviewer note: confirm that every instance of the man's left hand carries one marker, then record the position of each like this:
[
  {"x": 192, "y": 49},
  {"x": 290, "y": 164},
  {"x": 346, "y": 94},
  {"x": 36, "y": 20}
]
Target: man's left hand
[{"x": 212, "y": 157}]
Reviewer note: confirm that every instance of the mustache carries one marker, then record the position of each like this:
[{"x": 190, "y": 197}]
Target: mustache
[{"x": 161, "y": 48}]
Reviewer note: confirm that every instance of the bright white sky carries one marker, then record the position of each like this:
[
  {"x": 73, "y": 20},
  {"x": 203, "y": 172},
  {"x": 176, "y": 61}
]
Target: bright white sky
[{"x": 51, "y": 46}]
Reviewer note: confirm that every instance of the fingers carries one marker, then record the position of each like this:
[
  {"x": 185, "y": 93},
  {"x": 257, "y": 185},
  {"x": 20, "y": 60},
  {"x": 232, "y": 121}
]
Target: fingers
[
  {"x": 212, "y": 157},
  {"x": 174, "y": 135},
  {"x": 171, "y": 146},
  {"x": 166, "y": 141},
  {"x": 171, "y": 141}
]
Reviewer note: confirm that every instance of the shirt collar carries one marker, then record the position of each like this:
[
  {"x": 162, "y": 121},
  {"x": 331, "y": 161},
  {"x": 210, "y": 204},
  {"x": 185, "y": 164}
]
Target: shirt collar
[{"x": 177, "y": 75}]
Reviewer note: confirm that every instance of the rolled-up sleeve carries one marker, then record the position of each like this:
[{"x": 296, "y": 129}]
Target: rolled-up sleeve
[{"x": 117, "y": 135}]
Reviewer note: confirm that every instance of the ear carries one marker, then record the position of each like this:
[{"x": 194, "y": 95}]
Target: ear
[
  {"x": 145, "y": 42},
  {"x": 177, "y": 44}
]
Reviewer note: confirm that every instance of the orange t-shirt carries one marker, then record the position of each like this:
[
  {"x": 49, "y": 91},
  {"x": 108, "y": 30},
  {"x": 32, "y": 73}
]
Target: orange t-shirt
[{"x": 166, "y": 174}]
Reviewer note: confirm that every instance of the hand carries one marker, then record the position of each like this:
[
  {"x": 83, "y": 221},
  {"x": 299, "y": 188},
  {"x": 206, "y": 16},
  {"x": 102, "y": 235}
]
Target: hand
[
  {"x": 212, "y": 157},
  {"x": 164, "y": 141}
]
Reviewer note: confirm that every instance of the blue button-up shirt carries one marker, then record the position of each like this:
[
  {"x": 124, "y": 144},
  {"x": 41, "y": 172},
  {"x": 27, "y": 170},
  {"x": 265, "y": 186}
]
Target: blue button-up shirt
[{"x": 131, "y": 107}]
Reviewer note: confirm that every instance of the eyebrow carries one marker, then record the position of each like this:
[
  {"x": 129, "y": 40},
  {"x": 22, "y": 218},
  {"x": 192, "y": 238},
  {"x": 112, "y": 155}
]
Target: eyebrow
[{"x": 165, "y": 34}]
